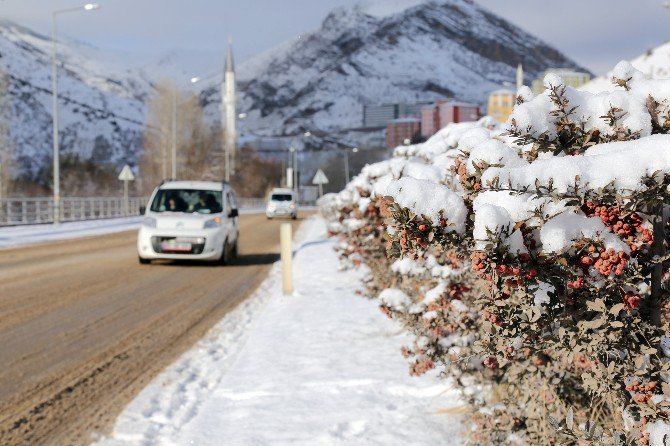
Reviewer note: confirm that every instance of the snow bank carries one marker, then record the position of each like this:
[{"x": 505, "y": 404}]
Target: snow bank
[
  {"x": 433, "y": 200},
  {"x": 621, "y": 165}
]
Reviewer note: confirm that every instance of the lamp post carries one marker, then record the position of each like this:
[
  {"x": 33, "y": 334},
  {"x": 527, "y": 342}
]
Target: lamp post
[
  {"x": 346, "y": 162},
  {"x": 193, "y": 80},
  {"x": 54, "y": 92}
]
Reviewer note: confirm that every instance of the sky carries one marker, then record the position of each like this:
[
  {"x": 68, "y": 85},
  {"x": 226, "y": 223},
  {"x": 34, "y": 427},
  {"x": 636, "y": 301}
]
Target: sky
[{"x": 595, "y": 33}]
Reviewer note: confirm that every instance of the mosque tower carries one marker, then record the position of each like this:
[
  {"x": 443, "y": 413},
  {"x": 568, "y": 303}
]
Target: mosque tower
[{"x": 229, "y": 114}]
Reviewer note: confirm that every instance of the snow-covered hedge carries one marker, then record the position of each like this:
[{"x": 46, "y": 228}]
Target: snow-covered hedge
[{"x": 530, "y": 262}]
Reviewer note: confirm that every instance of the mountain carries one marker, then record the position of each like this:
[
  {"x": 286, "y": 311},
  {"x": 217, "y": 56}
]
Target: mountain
[
  {"x": 654, "y": 62},
  {"x": 383, "y": 52},
  {"x": 101, "y": 107}
]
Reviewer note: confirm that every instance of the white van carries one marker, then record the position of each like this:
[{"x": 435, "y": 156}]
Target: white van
[
  {"x": 190, "y": 220},
  {"x": 282, "y": 203}
]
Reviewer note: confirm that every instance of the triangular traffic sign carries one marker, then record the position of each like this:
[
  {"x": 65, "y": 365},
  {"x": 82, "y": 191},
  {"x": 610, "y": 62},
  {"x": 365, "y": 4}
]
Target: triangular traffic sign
[
  {"x": 126, "y": 174},
  {"x": 320, "y": 178}
]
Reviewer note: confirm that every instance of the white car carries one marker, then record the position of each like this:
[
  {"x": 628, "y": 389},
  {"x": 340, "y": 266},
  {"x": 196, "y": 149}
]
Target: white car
[
  {"x": 282, "y": 203},
  {"x": 190, "y": 220}
]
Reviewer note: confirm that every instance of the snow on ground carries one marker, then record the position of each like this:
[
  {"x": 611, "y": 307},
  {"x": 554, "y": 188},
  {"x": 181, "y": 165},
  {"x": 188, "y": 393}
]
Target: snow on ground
[
  {"x": 31, "y": 234},
  {"x": 320, "y": 367}
]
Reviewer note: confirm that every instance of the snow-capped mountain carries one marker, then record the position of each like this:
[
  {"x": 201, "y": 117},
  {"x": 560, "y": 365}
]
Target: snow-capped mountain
[
  {"x": 655, "y": 63},
  {"x": 101, "y": 103},
  {"x": 384, "y": 52}
]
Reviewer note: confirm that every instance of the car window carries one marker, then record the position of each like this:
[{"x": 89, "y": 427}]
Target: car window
[
  {"x": 187, "y": 201},
  {"x": 281, "y": 197}
]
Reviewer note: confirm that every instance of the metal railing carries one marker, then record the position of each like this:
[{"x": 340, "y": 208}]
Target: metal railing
[{"x": 25, "y": 211}]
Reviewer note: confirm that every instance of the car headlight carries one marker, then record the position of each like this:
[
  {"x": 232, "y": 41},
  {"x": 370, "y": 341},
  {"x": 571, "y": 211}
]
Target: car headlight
[
  {"x": 272, "y": 206},
  {"x": 149, "y": 222},
  {"x": 292, "y": 206},
  {"x": 213, "y": 223}
]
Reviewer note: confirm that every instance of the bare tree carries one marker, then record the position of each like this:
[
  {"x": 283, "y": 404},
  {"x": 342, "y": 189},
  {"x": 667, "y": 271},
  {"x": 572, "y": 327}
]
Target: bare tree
[
  {"x": 5, "y": 151},
  {"x": 197, "y": 142}
]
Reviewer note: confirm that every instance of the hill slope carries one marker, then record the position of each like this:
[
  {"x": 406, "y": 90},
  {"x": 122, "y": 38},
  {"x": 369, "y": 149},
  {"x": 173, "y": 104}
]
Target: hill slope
[
  {"x": 379, "y": 52},
  {"x": 101, "y": 107}
]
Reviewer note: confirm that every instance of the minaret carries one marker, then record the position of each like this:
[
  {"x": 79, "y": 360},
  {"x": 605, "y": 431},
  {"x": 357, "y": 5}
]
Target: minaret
[
  {"x": 519, "y": 77},
  {"x": 228, "y": 112}
]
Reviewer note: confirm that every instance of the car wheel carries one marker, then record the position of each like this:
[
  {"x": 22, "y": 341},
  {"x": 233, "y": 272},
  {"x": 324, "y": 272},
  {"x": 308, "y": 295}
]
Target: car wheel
[
  {"x": 233, "y": 254},
  {"x": 224, "y": 259},
  {"x": 143, "y": 261},
  {"x": 294, "y": 216}
]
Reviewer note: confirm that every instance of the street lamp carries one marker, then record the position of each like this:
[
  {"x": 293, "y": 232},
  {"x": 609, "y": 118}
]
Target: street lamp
[
  {"x": 54, "y": 92},
  {"x": 193, "y": 80},
  {"x": 346, "y": 162}
]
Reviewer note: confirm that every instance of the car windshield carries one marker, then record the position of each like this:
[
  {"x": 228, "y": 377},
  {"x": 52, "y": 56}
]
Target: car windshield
[
  {"x": 187, "y": 201},
  {"x": 281, "y": 197}
]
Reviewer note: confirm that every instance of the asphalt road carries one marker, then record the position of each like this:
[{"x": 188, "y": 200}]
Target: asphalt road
[{"x": 84, "y": 327}]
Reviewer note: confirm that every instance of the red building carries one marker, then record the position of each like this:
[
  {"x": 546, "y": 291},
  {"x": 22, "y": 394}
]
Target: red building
[
  {"x": 399, "y": 130},
  {"x": 437, "y": 116}
]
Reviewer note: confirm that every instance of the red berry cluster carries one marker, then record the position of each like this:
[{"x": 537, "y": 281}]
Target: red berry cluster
[
  {"x": 492, "y": 318},
  {"x": 491, "y": 362},
  {"x": 478, "y": 259},
  {"x": 605, "y": 261},
  {"x": 628, "y": 226},
  {"x": 631, "y": 300},
  {"x": 421, "y": 366},
  {"x": 576, "y": 284},
  {"x": 641, "y": 392},
  {"x": 515, "y": 275},
  {"x": 581, "y": 361}
]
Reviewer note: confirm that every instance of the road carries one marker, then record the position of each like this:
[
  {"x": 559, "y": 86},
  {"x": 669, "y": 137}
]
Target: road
[{"x": 84, "y": 327}]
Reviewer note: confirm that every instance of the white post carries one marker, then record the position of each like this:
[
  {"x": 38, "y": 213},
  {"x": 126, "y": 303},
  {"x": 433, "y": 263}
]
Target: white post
[
  {"x": 289, "y": 177},
  {"x": 285, "y": 235}
]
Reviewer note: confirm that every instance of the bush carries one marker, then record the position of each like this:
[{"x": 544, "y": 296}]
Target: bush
[{"x": 530, "y": 263}]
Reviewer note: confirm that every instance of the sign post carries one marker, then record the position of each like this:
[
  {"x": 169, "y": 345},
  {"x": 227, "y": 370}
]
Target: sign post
[
  {"x": 320, "y": 179},
  {"x": 125, "y": 176}
]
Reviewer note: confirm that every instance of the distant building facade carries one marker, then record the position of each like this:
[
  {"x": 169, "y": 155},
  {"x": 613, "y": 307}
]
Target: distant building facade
[
  {"x": 399, "y": 130},
  {"x": 570, "y": 77},
  {"x": 441, "y": 113},
  {"x": 500, "y": 104},
  {"x": 378, "y": 116}
]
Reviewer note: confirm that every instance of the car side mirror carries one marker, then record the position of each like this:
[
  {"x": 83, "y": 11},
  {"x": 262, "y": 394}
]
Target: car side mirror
[
  {"x": 143, "y": 209},
  {"x": 233, "y": 213}
]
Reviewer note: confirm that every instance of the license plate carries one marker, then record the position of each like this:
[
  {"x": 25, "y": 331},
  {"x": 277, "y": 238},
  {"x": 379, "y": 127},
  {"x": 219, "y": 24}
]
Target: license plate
[{"x": 181, "y": 247}]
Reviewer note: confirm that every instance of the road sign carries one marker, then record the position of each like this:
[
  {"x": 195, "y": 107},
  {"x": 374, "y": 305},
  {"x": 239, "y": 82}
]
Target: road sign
[
  {"x": 126, "y": 174},
  {"x": 320, "y": 178}
]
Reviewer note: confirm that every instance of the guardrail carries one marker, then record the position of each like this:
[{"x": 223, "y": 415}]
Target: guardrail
[{"x": 24, "y": 211}]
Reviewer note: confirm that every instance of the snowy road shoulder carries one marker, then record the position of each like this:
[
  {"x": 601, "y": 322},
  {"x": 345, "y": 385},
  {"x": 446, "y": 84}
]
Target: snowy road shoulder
[
  {"x": 320, "y": 367},
  {"x": 11, "y": 236}
]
